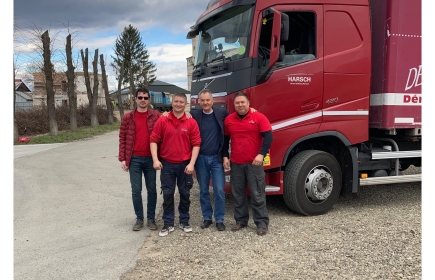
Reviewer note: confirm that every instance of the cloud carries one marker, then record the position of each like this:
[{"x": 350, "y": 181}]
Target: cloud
[{"x": 99, "y": 14}]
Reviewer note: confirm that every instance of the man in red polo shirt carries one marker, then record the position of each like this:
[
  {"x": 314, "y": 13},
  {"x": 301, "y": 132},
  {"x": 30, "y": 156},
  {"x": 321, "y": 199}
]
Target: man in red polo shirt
[
  {"x": 251, "y": 137},
  {"x": 174, "y": 145}
]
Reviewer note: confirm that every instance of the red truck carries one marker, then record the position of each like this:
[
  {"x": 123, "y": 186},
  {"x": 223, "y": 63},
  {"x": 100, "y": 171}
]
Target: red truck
[{"x": 340, "y": 82}]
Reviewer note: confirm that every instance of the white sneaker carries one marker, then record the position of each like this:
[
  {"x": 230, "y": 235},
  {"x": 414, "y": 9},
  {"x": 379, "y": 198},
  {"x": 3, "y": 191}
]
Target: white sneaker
[
  {"x": 166, "y": 230},
  {"x": 186, "y": 227}
]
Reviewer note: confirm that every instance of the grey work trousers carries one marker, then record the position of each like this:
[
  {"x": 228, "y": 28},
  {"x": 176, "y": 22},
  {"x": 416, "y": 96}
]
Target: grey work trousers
[{"x": 253, "y": 176}]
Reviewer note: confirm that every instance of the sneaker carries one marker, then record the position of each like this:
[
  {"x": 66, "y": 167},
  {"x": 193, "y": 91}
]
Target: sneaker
[
  {"x": 138, "y": 225},
  {"x": 206, "y": 224},
  {"x": 166, "y": 230},
  {"x": 151, "y": 224},
  {"x": 186, "y": 227},
  {"x": 220, "y": 226}
]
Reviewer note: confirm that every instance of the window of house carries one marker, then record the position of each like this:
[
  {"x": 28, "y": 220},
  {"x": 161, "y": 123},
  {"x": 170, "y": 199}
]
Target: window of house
[{"x": 63, "y": 86}]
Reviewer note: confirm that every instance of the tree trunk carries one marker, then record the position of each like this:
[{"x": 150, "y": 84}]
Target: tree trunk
[
  {"x": 94, "y": 116},
  {"x": 72, "y": 97},
  {"x": 120, "y": 105},
  {"x": 15, "y": 122},
  {"x": 106, "y": 90},
  {"x": 132, "y": 88},
  {"x": 88, "y": 85},
  {"x": 48, "y": 71}
]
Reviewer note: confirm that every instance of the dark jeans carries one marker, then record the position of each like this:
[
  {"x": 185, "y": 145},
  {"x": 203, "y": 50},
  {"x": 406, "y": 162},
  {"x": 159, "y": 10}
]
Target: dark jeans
[
  {"x": 171, "y": 174},
  {"x": 253, "y": 176},
  {"x": 139, "y": 165}
]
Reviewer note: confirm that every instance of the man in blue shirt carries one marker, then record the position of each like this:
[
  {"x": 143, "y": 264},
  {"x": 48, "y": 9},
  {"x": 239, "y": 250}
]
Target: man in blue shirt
[{"x": 210, "y": 160}]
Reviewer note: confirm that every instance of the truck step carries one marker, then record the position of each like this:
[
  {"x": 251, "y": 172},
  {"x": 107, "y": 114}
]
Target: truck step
[
  {"x": 397, "y": 154},
  {"x": 390, "y": 180}
]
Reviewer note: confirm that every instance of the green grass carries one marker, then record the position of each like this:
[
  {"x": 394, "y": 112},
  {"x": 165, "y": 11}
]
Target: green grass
[{"x": 69, "y": 136}]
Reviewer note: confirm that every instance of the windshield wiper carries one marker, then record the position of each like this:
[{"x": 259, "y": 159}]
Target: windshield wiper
[{"x": 221, "y": 56}]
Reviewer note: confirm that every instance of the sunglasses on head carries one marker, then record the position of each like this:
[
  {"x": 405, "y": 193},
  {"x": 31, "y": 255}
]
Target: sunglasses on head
[{"x": 143, "y": 97}]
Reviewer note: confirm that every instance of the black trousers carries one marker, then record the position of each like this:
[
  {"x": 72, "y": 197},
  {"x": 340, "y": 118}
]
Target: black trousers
[{"x": 243, "y": 175}]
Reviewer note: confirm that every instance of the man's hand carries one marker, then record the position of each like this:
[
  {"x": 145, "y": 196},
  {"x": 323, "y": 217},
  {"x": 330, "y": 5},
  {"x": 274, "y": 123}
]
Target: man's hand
[
  {"x": 157, "y": 165},
  {"x": 165, "y": 114},
  {"x": 123, "y": 166},
  {"x": 253, "y": 110},
  {"x": 226, "y": 163},
  {"x": 258, "y": 160},
  {"x": 189, "y": 169}
]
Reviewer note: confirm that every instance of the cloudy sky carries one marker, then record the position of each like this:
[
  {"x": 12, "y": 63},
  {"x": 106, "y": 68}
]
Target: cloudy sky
[{"x": 96, "y": 24}]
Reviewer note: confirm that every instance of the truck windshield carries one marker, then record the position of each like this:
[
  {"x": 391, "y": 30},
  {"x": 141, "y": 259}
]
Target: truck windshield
[{"x": 225, "y": 36}]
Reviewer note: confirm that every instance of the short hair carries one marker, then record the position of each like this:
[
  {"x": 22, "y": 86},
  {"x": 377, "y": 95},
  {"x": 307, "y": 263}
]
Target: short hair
[
  {"x": 206, "y": 90},
  {"x": 143, "y": 90},
  {"x": 180, "y": 94},
  {"x": 241, "y": 93}
]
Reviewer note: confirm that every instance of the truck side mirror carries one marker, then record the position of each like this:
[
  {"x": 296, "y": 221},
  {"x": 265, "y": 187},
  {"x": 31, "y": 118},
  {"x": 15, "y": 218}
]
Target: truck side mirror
[
  {"x": 276, "y": 38},
  {"x": 281, "y": 53},
  {"x": 284, "y": 27}
]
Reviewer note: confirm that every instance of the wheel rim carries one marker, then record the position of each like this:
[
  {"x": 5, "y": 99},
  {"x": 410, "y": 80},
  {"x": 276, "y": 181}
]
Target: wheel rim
[{"x": 319, "y": 184}]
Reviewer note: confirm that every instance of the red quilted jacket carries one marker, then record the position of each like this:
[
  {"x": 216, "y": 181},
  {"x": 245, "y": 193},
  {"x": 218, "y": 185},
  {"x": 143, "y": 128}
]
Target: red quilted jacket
[{"x": 127, "y": 133}]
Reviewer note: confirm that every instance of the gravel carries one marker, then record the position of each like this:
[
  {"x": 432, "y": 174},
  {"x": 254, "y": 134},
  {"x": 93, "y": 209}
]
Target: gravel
[{"x": 374, "y": 236}]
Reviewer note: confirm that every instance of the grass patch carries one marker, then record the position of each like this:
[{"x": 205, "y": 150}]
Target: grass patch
[{"x": 69, "y": 136}]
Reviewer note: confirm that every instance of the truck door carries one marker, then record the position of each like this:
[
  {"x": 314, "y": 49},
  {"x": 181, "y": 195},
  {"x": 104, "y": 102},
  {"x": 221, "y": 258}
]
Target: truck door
[{"x": 291, "y": 95}]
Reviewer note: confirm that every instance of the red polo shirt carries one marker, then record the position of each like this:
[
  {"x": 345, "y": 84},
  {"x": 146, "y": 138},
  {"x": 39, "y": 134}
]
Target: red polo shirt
[
  {"x": 176, "y": 137},
  {"x": 245, "y": 135}
]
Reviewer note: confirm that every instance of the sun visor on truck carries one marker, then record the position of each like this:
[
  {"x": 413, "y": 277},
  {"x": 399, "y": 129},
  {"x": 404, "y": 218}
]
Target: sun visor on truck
[{"x": 194, "y": 31}]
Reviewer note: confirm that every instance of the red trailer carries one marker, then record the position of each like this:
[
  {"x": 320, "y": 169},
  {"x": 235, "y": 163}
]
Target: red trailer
[{"x": 340, "y": 82}]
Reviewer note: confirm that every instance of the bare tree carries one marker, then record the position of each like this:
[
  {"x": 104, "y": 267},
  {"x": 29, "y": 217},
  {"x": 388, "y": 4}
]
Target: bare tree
[
  {"x": 15, "y": 121},
  {"x": 72, "y": 96},
  {"x": 120, "y": 105},
  {"x": 106, "y": 90},
  {"x": 92, "y": 96},
  {"x": 48, "y": 71},
  {"x": 95, "y": 93}
]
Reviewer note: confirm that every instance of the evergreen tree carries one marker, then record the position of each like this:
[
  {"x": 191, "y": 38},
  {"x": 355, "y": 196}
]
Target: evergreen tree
[{"x": 130, "y": 49}]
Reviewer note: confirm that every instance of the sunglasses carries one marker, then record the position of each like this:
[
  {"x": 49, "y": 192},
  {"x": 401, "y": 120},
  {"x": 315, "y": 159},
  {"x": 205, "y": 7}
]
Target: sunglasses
[{"x": 143, "y": 97}]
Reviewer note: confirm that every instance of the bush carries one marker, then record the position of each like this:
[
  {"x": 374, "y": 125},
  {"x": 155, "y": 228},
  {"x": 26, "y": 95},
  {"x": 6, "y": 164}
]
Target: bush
[{"x": 35, "y": 120}]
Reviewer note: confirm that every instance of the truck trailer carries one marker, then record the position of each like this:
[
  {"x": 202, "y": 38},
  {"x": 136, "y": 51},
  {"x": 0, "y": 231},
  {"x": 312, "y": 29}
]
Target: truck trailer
[{"x": 340, "y": 82}]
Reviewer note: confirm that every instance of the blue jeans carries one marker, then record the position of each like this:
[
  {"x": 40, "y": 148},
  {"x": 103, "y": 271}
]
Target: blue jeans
[
  {"x": 206, "y": 167},
  {"x": 139, "y": 165}
]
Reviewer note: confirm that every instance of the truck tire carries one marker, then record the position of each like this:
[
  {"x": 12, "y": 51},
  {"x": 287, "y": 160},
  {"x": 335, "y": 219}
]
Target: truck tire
[{"x": 312, "y": 182}]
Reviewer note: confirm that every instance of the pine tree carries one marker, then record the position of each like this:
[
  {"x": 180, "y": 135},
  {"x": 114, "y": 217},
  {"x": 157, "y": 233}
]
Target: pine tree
[{"x": 130, "y": 49}]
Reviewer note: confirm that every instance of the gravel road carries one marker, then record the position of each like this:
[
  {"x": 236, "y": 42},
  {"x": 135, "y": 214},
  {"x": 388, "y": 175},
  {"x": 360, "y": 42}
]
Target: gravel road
[{"x": 376, "y": 236}]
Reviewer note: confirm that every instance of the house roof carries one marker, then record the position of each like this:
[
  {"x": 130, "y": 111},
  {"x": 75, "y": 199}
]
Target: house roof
[
  {"x": 25, "y": 95},
  {"x": 21, "y": 86},
  {"x": 157, "y": 86}
]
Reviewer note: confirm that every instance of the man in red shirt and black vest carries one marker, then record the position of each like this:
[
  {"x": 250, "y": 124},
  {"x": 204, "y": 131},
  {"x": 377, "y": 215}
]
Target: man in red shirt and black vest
[
  {"x": 251, "y": 137},
  {"x": 175, "y": 144},
  {"x": 135, "y": 156}
]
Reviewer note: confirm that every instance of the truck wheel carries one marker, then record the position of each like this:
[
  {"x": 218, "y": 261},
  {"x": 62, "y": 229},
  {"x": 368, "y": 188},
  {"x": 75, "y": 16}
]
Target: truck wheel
[{"x": 312, "y": 182}]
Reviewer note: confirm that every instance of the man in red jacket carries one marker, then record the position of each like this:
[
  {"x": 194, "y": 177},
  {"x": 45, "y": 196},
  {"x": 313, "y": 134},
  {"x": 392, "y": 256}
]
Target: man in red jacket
[
  {"x": 175, "y": 143},
  {"x": 135, "y": 156}
]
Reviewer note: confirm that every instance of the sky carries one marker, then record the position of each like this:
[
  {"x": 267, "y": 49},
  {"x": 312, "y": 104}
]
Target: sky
[{"x": 163, "y": 25}]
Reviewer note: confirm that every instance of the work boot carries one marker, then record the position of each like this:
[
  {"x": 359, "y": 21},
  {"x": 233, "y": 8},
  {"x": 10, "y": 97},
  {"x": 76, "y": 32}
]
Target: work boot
[
  {"x": 138, "y": 225},
  {"x": 151, "y": 224}
]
